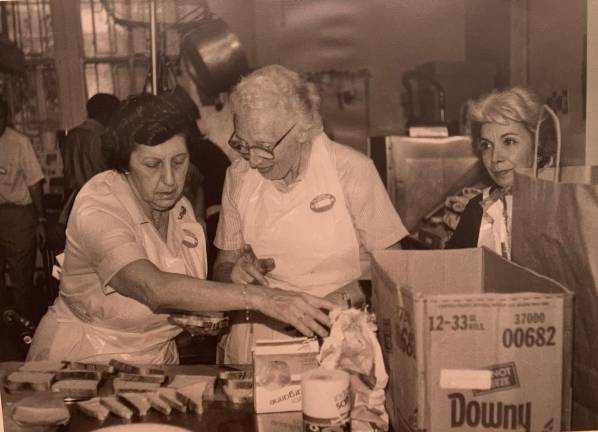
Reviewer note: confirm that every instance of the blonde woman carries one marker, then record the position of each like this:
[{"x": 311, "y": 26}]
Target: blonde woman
[{"x": 502, "y": 125}]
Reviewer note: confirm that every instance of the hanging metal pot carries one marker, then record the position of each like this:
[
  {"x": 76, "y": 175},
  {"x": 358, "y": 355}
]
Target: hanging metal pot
[{"x": 214, "y": 58}]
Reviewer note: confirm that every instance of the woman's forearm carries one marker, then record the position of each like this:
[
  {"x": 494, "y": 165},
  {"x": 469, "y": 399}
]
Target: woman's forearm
[
  {"x": 183, "y": 293},
  {"x": 163, "y": 291}
]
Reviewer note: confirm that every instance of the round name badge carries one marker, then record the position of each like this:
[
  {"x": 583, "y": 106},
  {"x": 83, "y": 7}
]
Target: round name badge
[
  {"x": 190, "y": 240},
  {"x": 322, "y": 203}
]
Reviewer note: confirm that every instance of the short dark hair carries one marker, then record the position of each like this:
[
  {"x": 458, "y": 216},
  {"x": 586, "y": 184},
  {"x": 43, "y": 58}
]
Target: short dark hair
[
  {"x": 101, "y": 106},
  {"x": 149, "y": 120}
]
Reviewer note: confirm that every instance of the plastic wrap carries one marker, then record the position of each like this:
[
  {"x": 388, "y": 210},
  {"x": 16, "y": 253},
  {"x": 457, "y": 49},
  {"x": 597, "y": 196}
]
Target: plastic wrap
[
  {"x": 352, "y": 346},
  {"x": 41, "y": 409}
]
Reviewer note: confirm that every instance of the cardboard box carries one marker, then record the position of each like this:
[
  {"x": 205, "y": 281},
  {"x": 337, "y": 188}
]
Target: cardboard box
[
  {"x": 472, "y": 342},
  {"x": 278, "y": 366}
]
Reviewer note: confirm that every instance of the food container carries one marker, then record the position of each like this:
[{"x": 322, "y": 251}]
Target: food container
[
  {"x": 278, "y": 365},
  {"x": 199, "y": 324}
]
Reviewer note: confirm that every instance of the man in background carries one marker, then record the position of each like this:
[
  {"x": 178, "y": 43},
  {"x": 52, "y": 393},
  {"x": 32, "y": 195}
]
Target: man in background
[
  {"x": 22, "y": 221},
  {"x": 207, "y": 172},
  {"x": 82, "y": 151}
]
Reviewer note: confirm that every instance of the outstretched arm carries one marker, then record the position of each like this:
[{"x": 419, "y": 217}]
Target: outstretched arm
[{"x": 164, "y": 292}]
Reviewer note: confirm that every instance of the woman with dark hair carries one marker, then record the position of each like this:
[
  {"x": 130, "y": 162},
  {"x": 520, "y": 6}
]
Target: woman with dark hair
[
  {"x": 135, "y": 252},
  {"x": 502, "y": 126}
]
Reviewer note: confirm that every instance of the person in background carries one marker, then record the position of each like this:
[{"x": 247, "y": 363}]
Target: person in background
[
  {"x": 135, "y": 252},
  {"x": 212, "y": 164},
  {"x": 22, "y": 221},
  {"x": 207, "y": 171},
  {"x": 296, "y": 207},
  {"x": 502, "y": 125},
  {"x": 194, "y": 182},
  {"x": 82, "y": 150},
  {"x": 193, "y": 191}
]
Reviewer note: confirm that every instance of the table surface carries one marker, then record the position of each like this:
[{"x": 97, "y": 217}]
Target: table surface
[{"x": 219, "y": 415}]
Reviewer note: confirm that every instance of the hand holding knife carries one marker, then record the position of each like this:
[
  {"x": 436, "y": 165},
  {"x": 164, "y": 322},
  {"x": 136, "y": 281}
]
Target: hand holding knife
[{"x": 250, "y": 269}]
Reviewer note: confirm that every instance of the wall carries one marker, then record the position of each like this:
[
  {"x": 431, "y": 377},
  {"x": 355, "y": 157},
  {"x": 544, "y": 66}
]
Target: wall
[
  {"x": 533, "y": 42},
  {"x": 538, "y": 43},
  {"x": 388, "y": 37},
  {"x": 485, "y": 37},
  {"x": 556, "y": 31}
]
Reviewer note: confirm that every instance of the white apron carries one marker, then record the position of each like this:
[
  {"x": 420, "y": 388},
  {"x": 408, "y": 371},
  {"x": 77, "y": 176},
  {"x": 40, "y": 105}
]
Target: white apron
[
  {"x": 310, "y": 234},
  {"x": 126, "y": 329},
  {"x": 495, "y": 226}
]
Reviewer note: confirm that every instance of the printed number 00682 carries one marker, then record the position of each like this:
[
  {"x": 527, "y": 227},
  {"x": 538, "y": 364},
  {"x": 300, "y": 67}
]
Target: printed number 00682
[{"x": 528, "y": 337}]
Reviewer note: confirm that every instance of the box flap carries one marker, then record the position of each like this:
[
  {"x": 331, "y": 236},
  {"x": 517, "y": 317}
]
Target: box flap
[
  {"x": 433, "y": 271},
  {"x": 506, "y": 277}
]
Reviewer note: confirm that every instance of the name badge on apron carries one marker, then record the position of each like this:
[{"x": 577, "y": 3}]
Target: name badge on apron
[
  {"x": 322, "y": 203},
  {"x": 190, "y": 239}
]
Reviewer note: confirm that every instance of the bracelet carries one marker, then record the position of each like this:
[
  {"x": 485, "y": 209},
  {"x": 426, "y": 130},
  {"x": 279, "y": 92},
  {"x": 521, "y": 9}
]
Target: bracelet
[{"x": 244, "y": 291}]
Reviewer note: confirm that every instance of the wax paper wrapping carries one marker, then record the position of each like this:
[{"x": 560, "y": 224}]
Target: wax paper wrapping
[
  {"x": 41, "y": 409},
  {"x": 352, "y": 346}
]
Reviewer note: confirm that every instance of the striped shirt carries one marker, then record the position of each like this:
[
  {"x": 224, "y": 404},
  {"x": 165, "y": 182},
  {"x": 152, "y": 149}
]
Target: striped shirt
[{"x": 375, "y": 219}]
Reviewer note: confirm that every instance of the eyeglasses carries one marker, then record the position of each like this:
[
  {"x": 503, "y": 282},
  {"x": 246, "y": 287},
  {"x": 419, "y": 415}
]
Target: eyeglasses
[{"x": 263, "y": 151}]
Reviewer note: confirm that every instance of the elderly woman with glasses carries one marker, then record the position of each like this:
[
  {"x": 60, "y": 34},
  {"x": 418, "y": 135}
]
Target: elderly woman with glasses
[{"x": 297, "y": 207}]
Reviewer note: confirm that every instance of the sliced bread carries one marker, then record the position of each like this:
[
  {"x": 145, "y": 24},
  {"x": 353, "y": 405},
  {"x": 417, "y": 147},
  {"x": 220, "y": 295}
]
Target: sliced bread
[
  {"x": 25, "y": 381},
  {"x": 137, "y": 401},
  {"x": 77, "y": 388},
  {"x": 119, "y": 385},
  {"x": 94, "y": 408}
]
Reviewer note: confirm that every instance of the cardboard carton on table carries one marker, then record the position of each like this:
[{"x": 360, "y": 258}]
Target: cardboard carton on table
[{"x": 472, "y": 342}]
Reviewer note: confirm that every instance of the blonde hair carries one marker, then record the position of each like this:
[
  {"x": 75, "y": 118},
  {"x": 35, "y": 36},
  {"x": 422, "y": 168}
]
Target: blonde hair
[
  {"x": 518, "y": 104},
  {"x": 276, "y": 87}
]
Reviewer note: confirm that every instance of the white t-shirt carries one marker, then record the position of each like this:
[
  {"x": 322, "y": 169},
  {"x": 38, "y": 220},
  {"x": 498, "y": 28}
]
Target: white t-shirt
[
  {"x": 19, "y": 168},
  {"x": 375, "y": 219}
]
